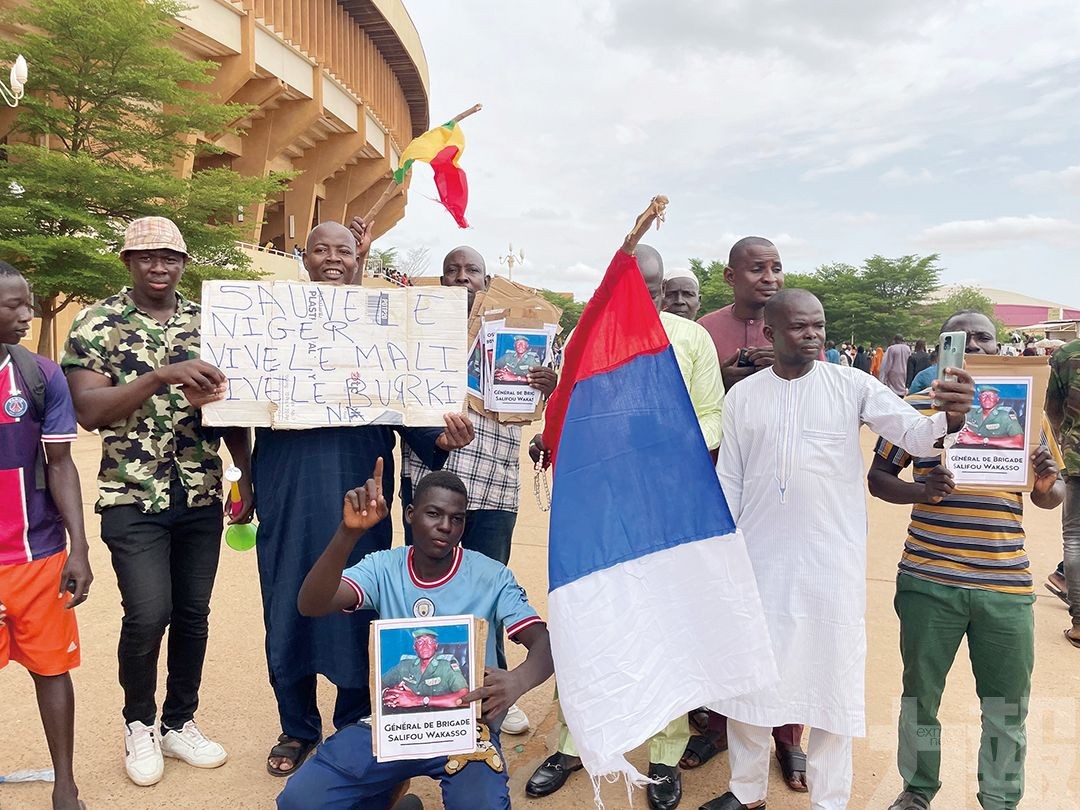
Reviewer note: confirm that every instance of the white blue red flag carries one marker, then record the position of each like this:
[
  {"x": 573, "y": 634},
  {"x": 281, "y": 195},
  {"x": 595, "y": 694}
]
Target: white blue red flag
[{"x": 653, "y": 605}]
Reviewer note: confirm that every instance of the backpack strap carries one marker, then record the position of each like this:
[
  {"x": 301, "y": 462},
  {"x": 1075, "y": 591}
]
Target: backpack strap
[{"x": 26, "y": 362}]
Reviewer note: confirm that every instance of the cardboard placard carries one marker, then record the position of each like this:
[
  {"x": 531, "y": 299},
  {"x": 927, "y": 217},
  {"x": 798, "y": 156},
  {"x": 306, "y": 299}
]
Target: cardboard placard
[
  {"x": 510, "y": 306},
  {"x": 304, "y": 355},
  {"x": 1005, "y": 425},
  {"x": 402, "y": 726}
]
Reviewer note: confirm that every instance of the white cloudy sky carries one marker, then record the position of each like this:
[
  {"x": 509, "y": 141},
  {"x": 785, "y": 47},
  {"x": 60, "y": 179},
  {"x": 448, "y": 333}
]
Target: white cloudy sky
[{"x": 838, "y": 128}]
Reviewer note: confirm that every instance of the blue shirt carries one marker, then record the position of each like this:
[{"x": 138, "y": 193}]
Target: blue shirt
[
  {"x": 833, "y": 356},
  {"x": 475, "y": 585},
  {"x": 922, "y": 380}
]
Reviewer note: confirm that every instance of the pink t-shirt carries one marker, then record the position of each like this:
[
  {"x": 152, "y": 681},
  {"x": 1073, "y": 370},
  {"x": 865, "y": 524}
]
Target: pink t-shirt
[{"x": 729, "y": 334}]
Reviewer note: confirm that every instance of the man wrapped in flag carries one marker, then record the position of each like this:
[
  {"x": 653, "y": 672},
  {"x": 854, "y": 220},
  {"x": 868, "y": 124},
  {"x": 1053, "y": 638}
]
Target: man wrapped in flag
[{"x": 639, "y": 533}]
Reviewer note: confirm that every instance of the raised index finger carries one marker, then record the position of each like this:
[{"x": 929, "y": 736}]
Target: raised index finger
[{"x": 377, "y": 475}]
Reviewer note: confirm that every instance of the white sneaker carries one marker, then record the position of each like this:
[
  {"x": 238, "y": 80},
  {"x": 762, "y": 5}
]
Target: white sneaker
[
  {"x": 515, "y": 722},
  {"x": 192, "y": 747},
  {"x": 143, "y": 762}
]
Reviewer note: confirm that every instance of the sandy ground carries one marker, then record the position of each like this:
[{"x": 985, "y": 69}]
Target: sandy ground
[{"x": 238, "y": 709}]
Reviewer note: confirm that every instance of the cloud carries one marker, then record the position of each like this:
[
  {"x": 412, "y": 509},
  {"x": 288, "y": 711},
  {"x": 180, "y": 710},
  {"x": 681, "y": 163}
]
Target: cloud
[
  {"x": 1066, "y": 179},
  {"x": 899, "y": 176},
  {"x": 580, "y": 279},
  {"x": 983, "y": 234}
]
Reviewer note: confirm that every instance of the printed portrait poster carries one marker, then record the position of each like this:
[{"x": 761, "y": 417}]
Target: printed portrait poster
[
  {"x": 515, "y": 352},
  {"x": 475, "y": 368},
  {"x": 992, "y": 450},
  {"x": 420, "y": 668}
]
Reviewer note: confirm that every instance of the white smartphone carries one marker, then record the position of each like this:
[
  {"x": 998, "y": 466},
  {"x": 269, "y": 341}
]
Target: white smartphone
[{"x": 950, "y": 353}]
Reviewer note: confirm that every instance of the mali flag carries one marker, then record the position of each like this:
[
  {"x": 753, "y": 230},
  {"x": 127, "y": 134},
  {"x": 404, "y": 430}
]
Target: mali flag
[
  {"x": 442, "y": 148},
  {"x": 653, "y": 607}
]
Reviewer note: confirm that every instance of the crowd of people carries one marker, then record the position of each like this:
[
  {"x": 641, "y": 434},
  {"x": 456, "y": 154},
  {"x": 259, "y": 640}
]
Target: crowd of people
[{"x": 779, "y": 407}]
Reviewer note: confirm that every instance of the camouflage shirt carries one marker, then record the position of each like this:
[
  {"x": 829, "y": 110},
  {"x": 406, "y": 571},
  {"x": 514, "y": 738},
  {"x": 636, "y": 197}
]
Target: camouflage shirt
[
  {"x": 163, "y": 437},
  {"x": 1063, "y": 400}
]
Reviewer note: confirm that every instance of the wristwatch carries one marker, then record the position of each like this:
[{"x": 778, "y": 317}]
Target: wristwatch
[{"x": 427, "y": 700}]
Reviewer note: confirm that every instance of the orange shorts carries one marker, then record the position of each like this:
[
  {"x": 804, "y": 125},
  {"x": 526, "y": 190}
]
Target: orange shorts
[{"x": 38, "y": 632}]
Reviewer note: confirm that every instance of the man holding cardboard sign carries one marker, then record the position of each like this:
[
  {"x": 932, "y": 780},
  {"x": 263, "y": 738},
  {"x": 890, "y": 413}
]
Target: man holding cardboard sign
[
  {"x": 300, "y": 477},
  {"x": 964, "y": 572},
  {"x": 489, "y": 466}
]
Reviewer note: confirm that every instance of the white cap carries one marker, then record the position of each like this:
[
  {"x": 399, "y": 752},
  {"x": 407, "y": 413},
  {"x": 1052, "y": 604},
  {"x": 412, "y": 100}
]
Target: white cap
[{"x": 682, "y": 272}]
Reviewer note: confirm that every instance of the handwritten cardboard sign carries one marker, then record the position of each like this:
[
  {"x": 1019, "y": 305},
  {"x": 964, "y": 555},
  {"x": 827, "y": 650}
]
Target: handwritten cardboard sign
[{"x": 305, "y": 355}]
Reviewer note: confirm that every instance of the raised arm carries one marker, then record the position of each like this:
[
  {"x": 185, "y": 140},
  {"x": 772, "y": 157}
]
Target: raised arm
[
  {"x": 899, "y": 423},
  {"x": 323, "y": 591}
]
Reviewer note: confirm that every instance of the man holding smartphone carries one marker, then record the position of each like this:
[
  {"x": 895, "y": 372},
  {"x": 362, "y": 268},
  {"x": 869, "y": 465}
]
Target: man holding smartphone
[
  {"x": 755, "y": 274},
  {"x": 964, "y": 572}
]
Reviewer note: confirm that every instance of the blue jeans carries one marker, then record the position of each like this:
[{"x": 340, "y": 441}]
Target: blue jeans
[
  {"x": 299, "y": 709},
  {"x": 1070, "y": 534},
  {"x": 488, "y": 531},
  {"x": 343, "y": 775}
]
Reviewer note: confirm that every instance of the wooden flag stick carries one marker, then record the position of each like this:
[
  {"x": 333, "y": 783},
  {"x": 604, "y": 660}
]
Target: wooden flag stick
[
  {"x": 656, "y": 212},
  {"x": 391, "y": 188}
]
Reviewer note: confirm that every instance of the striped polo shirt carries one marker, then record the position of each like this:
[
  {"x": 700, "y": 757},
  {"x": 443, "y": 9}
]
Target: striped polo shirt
[{"x": 968, "y": 540}]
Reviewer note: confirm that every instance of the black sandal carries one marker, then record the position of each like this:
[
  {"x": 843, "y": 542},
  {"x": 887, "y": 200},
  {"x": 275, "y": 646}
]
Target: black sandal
[
  {"x": 291, "y": 749},
  {"x": 702, "y": 747},
  {"x": 727, "y": 802},
  {"x": 792, "y": 761}
]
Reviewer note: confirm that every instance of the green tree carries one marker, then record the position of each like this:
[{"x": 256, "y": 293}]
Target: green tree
[
  {"x": 959, "y": 299},
  {"x": 571, "y": 310},
  {"x": 868, "y": 304},
  {"x": 715, "y": 292},
  {"x": 115, "y": 107}
]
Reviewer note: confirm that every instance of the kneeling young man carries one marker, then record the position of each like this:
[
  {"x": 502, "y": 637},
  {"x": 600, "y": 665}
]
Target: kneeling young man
[{"x": 344, "y": 773}]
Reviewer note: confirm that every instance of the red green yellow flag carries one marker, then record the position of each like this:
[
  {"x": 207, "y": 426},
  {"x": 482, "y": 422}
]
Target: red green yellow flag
[{"x": 442, "y": 148}]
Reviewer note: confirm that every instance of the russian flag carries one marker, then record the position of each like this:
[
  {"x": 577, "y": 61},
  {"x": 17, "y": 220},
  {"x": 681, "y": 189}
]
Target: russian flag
[{"x": 653, "y": 605}]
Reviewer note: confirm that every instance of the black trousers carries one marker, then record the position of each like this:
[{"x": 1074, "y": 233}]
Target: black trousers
[{"x": 165, "y": 565}]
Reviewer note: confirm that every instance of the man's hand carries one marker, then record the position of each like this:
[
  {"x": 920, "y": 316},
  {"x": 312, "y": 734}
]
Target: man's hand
[
  {"x": 543, "y": 379},
  {"x": 365, "y": 506},
  {"x": 1046, "y": 470},
  {"x": 760, "y": 356},
  {"x": 191, "y": 373},
  {"x": 458, "y": 433},
  {"x": 199, "y": 397},
  {"x": 955, "y": 398},
  {"x": 247, "y": 503},
  {"x": 498, "y": 693},
  {"x": 77, "y": 570},
  {"x": 3, "y": 612},
  {"x": 401, "y": 697},
  {"x": 538, "y": 452},
  {"x": 361, "y": 231},
  {"x": 939, "y": 483}
]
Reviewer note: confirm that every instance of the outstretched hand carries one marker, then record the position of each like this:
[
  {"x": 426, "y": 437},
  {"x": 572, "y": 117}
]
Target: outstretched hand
[{"x": 365, "y": 506}]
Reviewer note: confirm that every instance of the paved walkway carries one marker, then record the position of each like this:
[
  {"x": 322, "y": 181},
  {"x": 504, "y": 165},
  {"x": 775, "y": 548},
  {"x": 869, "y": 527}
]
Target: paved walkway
[{"x": 238, "y": 708}]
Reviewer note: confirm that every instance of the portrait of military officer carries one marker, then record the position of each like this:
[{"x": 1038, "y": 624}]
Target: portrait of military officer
[
  {"x": 426, "y": 679},
  {"x": 514, "y": 365},
  {"x": 992, "y": 423}
]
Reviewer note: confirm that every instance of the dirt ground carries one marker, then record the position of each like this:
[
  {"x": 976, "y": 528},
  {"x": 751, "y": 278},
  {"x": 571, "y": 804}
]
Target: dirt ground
[{"x": 237, "y": 705}]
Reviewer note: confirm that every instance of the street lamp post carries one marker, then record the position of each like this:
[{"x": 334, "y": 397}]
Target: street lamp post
[
  {"x": 17, "y": 89},
  {"x": 510, "y": 259}
]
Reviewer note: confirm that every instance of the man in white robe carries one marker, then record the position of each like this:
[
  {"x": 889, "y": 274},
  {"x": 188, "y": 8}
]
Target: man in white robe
[{"x": 792, "y": 471}]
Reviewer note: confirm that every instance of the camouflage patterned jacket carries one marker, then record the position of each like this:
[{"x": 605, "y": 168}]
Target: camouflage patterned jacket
[
  {"x": 163, "y": 437},
  {"x": 1063, "y": 402}
]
